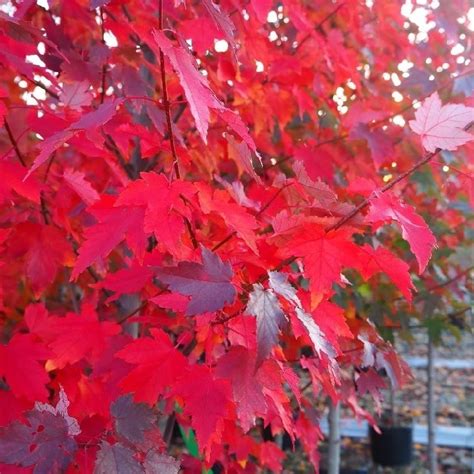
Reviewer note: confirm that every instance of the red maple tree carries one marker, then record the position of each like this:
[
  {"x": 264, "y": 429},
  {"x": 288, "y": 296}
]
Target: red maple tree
[{"x": 196, "y": 209}]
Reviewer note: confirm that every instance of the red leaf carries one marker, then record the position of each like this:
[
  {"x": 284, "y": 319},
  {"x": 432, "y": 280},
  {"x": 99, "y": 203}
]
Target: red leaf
[
  {"x": 261, "y": 9},
  {"x": 370, "y": 382},
  {"x": 113, "y": 226},
  {"x": 158, "y": 365},
  {"x": 21, "y": 367},
  {"x": 88, "y": 121},
  {"x": 325, "y": 254},
  {"x": 47, "y": 250},
  {"x": 13, "y": 175},
  {"x": 196, "y": 88},
  {"x": 222, "y": 20},
  {"x": 378, "y": 260},
  {"x": 379, "y": 143},
  {"x": 207, "y": 402},
  {"x": 76, "y": 180},
  {"x": 238, "y": 365},
  {"x": 75, "y": 337},
  {"x": 415, "y": 231}
]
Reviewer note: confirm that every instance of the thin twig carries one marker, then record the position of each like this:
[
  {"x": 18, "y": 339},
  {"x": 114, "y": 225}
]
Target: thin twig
[
  {"x": 166, "y": 102},
  {"x": 344, "y": 219},
  {"x": 319, "y": 25},
  {"x": 261, "y": 211},
  {"x": 14, "y": 143},
  {"x": 42, "y": 86},
  {"x": 104, "y": 66}
]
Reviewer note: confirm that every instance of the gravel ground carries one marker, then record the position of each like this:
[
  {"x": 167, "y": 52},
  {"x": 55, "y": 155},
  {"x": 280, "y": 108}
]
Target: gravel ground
[{"x": 455, "y": 407}]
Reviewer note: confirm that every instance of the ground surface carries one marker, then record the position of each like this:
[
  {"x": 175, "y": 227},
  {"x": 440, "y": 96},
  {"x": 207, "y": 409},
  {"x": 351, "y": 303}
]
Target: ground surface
[{"x": 455, "y": 407}]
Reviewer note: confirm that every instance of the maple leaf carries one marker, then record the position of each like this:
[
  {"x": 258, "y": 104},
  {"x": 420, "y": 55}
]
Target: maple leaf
[
  {"x": 264, "y": 305},
  {"x": 88, "y": 121},
  {"x": 164, "y": 205},
  {"x": 261, "y": 9},
  {"x": 156, "y": 463},
  {"x": 61, "y": 409},
  {"x": 382, "y": 260},
  {"x": 325, "y": 254},
  {"x": 77, "y": 182},
  {"x": 76, "y": 95},
  {"x": 131, "y": 419},
  {"x": 208, "y": 284},
  {"x": 44, "y": 443},
  {"x": 369, "y": 381},
  {"x": 114, "y": 225},
  {"x": 207, "y": 401},
  {"x": 197, "y": 91},
  {"x": 238, "y": 365},
  {"x": 19, "y": 364},
  {"x": 415, "y": 231},
  {"x": 126, "y": 280},
  {"x": 222, "y": 21},
  {"x": 13, "y": 175},
  {"x": 441, "y": 126},
  {"x": 75, "y": 336},
  {"x": 47, "y": 252},
  {"x": 379, "y": 143},
  {"x": 235, "y": 216},
  {"x": 196, "y": 88},
  {"x": 279, "y": 283},
  {"x": 116, "y": 459},
  {"x": 158, "y": 365}
]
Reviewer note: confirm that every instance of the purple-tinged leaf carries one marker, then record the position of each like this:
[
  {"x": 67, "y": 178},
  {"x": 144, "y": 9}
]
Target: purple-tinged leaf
[
  {"x": 44, "y": 443},
  {"x": 116, "y": 459},
  {"x": 97, "y": 117},
  {"x": 208, "y": 284},
  {"x": 222, "y": 20},
  {"x": 156, "y": 463},
  {"x": 131, "y": 419},
  {"x": 61, "y": 410}
]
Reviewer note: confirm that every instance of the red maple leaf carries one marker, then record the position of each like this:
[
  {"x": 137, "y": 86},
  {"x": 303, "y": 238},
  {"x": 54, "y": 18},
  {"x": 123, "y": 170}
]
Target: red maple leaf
[
  {"x": 20, "y": 364},
  {"x": 157, "y": 367}
]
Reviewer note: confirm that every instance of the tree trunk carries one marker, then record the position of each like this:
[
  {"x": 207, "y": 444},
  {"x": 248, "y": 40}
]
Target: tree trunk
[
  {"x": 432, "y": 461},
  {"x": 334, "y": 454}
]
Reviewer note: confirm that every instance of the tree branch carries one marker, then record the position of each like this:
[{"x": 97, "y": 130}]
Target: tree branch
[
  {"x": 166, "y": 102},
  {"x": 14, "y": 143}
]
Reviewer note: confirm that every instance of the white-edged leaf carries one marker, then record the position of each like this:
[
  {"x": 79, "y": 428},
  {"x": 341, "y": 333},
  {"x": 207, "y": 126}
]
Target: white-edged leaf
[
  {"x": 264, "y": 305},
  {"x": 279, "y": 283},
  {"x": 320, "y": 343}
]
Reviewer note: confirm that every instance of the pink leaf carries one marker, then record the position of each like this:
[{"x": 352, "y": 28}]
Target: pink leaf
[
  {"x": 441, "y": 126},
  {"x": 196, "y": 88},
  {"x": 77, "y": 182}
]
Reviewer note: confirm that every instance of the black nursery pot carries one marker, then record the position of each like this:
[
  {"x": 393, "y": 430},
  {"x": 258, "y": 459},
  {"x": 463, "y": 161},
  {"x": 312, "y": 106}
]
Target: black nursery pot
[{"x": 393, "y": 447}]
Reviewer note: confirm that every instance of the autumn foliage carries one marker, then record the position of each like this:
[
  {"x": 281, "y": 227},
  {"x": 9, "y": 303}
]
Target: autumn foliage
[{"x": 208, "y": 212}]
